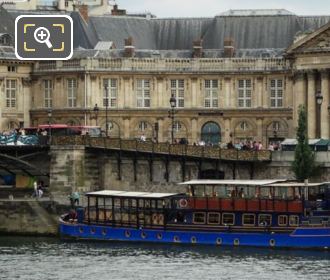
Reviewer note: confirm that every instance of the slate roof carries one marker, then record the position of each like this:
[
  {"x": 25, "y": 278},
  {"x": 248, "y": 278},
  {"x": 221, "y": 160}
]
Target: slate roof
[
  {"x": 255, "y": 32},
  {"x": 248, "y": 32}
]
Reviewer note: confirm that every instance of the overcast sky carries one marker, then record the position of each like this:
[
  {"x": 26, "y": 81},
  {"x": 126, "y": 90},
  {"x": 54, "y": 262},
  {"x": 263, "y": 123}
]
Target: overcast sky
[{"x": 210, "y": 8}]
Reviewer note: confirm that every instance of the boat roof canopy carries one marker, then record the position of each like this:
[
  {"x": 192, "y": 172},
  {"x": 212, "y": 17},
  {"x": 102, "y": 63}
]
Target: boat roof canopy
[
  {"x": 112, "y": 193},
  {"x": 299, "y": 184},
  {"x": 265, "y": 183},
  {"x": 232, "y": 182}
]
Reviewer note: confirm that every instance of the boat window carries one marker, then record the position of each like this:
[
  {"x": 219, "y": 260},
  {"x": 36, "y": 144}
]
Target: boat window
[
  {"x": 249, "y": 192},
  {"x": 220, "y": 191},
  {"x": 125, "y": 203},
  {"x": 117, "y": 202},
  {"x": 147, "y": 203},
  {"x": 249, "y": 219},
  {"x": 294, "y": 220},
  {"x": 199, "y": 218},
  {"x": 213, "y": 218},
  {"x": 153, "y": 204},
  {"x": 282, "y": 220},
  {"x": 108, "y": 203},
  {"x": 199, "y": 191},
  {"x": 265, "y": 220},
  {"x": 133, "y": 203},
  {"x": 265, "y": 192},
  {"x": 92, "y": 201},
  {"x": 281, "y": 193},
  {"x": 228, "y": 219}
]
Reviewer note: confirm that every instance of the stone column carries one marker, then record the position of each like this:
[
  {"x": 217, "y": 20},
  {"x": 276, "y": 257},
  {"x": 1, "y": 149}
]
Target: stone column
[
  {"x": 259, "y": 92},
  {"x": 324, "y": 107},
  {"x": 159, "y": 92},
  {"x": 126, "y": 128},
  {"x": 259, "y": 132},
  {"x": 194, "y": 131},
  {"x": 227, "y": 87},
  {"x": 194, "y": 101},
  {"x": 299, "y": 95},
  {"x": 121, "y": 93},
  {"x": 160, "y": 130},
  {"x": 311, "y": 106},
  {"x": 288, "y": 93},
  {"x": 128, "y": 95},
  {"x": 228, "y": 131}
]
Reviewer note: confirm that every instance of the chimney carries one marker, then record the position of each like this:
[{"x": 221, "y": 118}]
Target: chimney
[
  {"x": 61, "y": 5},
  {"x": 197, "y": 48},
  {"x": 229, "y": 48},
  {"x": 117, "y": 12},
  {"x": 83, "y": 10},
  {"x": 129, "y": 48}
]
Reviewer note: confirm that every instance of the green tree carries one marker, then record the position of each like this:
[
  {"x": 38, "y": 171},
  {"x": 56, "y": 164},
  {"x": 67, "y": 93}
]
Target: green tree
[{"x": 304, "y": 160}]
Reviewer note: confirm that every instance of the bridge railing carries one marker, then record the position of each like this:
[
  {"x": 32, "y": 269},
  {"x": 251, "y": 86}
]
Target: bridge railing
[{"x": 163, "y": 148}]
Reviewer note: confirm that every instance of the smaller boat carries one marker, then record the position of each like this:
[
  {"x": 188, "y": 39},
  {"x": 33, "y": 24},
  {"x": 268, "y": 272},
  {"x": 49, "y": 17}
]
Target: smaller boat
[{"x": 262, "y": 213}]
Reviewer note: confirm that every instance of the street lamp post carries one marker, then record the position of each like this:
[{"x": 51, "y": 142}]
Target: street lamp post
[
  {"x": 106, "y": 88},
  {"x": 96, "y": 112},
  {"x": 49, "y": 113},
  {"x": 171, "y": 115},
  {"x": 319, "y": 100}
]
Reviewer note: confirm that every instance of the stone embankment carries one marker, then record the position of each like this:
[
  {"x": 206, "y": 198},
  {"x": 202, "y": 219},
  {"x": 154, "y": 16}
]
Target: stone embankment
[{"x": 24, "y": 215}]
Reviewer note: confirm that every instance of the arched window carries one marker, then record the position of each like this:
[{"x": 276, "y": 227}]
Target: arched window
[
  {"x": 276, "y": 126},
  {"x": 143, "y": 126},
  {"x": 211, "y": 133},
  {"x": 244, "y": 126},
  {"x": 177, "y": 126}
]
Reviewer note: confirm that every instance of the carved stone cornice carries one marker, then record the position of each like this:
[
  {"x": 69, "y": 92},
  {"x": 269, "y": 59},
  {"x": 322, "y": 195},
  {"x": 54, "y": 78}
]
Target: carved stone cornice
[
  {"x": 299, "y": 75},
  {"x": 325, "y": 73},
  {"x": 27, "y": 81}
]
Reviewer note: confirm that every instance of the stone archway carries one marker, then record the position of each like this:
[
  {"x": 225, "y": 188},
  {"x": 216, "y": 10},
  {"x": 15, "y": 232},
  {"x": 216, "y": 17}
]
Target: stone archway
[{"x": 211, "y": 133}]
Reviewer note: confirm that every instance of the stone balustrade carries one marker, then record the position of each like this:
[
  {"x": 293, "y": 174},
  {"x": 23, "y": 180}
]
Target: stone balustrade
[
  {"x": 168, "y": 65},
  {"x": 163, "y": 148}
]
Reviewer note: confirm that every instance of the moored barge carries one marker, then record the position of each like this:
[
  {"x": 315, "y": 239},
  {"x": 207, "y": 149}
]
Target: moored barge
[{"x": 262, "y": 213}]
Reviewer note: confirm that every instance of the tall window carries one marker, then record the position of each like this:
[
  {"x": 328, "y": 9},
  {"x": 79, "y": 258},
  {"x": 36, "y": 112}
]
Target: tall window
[
  {"x": 72, "y": 93},
  {"x": 110, "y": 90},
  {"x": 48, "y": 93},
  {"x": 211, "y": 94},
  {"x": 244, "y": 93},
  {"x": 276, "y": 93},
  {"x": 177, "y": 126},
  {"x": 177, "y": 90},
  {"x": 244, "y": 126},
  {"x": 143, "y": 126},
  {"x": 11, "y": 88},
  {"x": 143, "y": 93}
]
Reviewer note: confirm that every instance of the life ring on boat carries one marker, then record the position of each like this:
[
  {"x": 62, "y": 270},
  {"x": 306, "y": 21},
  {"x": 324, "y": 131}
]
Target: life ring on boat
[{"x": 183, "y": 203}]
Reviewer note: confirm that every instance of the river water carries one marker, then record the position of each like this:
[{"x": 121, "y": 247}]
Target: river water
[{"x": 50, "y": 258}]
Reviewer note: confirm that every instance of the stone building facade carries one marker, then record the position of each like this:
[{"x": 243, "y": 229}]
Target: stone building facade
[{"x": 229, "y": 94}]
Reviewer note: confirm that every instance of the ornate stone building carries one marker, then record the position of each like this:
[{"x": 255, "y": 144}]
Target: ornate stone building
[{"x": 236, "y": 76}]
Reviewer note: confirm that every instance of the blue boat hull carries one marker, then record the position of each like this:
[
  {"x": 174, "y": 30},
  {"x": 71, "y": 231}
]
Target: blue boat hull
[{"x": 299, "y": 238}]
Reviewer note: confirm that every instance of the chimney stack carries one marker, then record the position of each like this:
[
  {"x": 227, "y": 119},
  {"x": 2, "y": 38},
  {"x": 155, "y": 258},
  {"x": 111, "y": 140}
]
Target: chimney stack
[
  {"x": 117, "y": 12},
  {"x": 198, "y": 48},
  {"x": 83, "y": 10},
  {"x": 129, "y": 48},
  {"x": 229, "y": 48}
]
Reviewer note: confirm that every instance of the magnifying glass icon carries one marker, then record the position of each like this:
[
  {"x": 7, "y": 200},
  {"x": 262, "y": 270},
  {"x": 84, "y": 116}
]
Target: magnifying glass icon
[{"x": 41, "y": 35}]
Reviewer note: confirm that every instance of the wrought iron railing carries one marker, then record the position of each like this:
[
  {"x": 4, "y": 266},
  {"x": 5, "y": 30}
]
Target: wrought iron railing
[{"x": 163, "y": 148}]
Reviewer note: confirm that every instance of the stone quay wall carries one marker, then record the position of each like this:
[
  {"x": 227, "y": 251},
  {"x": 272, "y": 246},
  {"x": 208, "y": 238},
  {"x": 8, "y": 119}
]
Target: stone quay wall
[
  {"x": 28, "y": 217},
  {"x": 77, "y": 168},
  {"x": 81, "y": 169}
]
